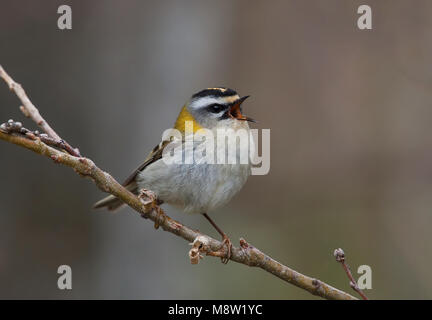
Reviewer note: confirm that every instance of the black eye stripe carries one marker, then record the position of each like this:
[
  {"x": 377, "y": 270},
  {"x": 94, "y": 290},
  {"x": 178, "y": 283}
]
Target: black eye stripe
[{"x": 216, "y": 108}]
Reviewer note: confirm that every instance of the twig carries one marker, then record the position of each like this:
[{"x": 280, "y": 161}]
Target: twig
[
  {"x": 148, "y": 208},
  {"x": 340, "y": 257},
  {"x": 30, "y": 111},
  {"x": 16, "y": 127}
]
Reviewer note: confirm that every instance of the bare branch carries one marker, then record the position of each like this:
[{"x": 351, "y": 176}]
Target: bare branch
[
  {"x": 30, "y": 111},
  {"x": 146, "y": 205},
  {"x": 340, "y": 257},
  {"x": 16, "y": 127}
]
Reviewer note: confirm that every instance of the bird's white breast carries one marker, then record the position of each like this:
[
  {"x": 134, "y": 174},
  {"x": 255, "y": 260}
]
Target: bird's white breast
[{"x": 197, "y": 187}]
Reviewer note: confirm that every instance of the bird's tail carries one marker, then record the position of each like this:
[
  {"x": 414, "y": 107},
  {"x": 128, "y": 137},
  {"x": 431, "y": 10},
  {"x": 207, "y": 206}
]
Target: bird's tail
[{"x": 112, "y": 202}]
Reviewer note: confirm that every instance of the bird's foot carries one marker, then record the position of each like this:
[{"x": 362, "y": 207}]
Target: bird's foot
[
  {"x": 150, "y": 202},
  {"x": 224, "y": 251},
  {"x": 226, "y": 242},
  {"x": 160, "y": 218}
]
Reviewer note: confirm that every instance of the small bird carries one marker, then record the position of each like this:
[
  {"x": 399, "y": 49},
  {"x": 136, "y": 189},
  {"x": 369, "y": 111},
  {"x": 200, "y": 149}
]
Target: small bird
[{"x": 196, "y": 187}]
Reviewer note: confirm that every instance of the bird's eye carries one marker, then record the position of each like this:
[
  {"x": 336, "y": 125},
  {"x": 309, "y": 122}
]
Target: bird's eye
[{"x": 216, "y": 108}]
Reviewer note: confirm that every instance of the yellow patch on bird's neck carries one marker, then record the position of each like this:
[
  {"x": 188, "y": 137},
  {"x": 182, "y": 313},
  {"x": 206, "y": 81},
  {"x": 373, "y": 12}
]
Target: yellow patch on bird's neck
[{"x": 182, "y": 118}]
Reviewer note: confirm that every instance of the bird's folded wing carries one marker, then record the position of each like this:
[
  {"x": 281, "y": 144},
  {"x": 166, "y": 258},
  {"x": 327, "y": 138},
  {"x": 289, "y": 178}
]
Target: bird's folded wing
[{"x": 154, "y": 155}]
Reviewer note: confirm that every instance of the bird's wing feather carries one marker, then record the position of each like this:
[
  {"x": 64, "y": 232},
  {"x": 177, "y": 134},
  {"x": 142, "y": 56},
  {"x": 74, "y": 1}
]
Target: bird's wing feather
[
  {"x": 111, "y": 202},
  {"x": 154, "y": 155}
]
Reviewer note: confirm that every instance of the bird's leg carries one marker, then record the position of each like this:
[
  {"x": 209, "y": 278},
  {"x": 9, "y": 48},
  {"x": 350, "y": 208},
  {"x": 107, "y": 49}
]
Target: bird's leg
[{"x": 225, "y": 240}]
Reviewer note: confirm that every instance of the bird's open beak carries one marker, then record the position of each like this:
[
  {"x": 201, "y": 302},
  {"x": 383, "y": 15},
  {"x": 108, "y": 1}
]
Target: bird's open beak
[{"x": 235, "y": 110}]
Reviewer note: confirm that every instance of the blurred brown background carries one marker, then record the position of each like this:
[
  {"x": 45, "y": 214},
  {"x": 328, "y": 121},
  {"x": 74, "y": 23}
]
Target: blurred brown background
[{"x": 351, "y": 143}]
